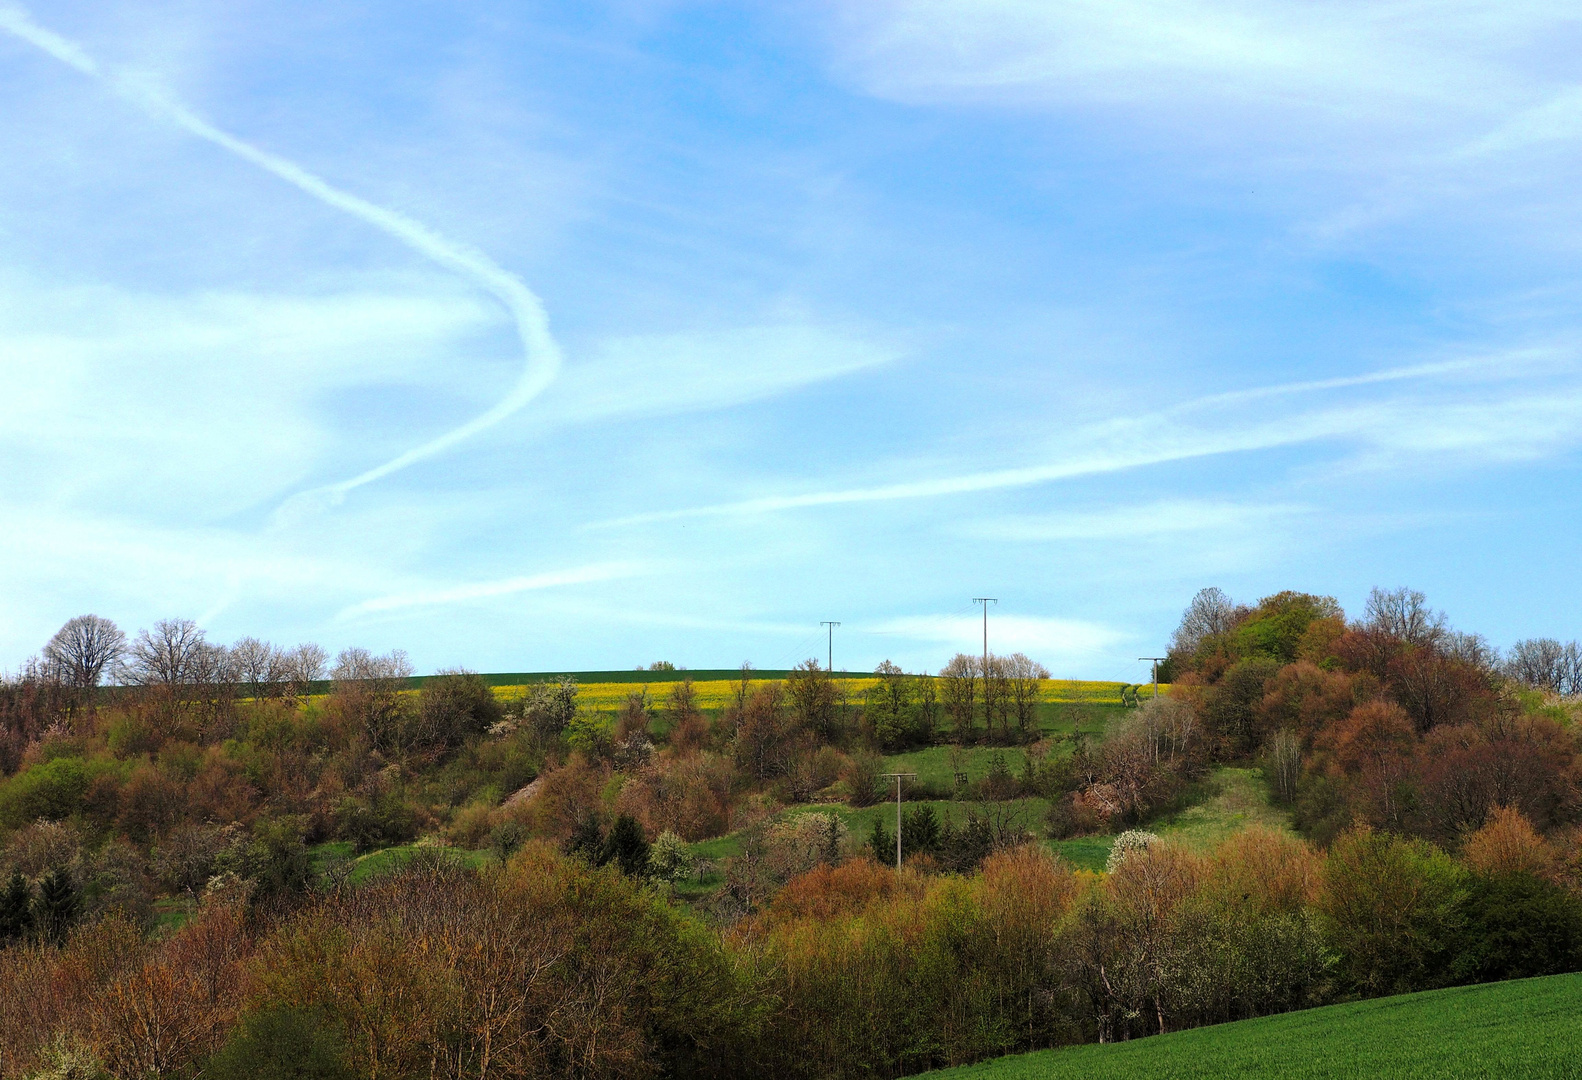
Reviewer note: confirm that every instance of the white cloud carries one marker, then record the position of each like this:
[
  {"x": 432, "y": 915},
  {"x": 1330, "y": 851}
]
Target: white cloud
[
  {"x": 1453, "y": 420},
  {"x": 490, "y": 590},
  {"x": 1365, "y": 62},
  {"x": 1346, "y": 116},
  {"x": 1167, "y": 518},
  {"x": 708, "y": 369},
  {"x": 209, "y": 402},
  {"x": 540, "y": 352}
]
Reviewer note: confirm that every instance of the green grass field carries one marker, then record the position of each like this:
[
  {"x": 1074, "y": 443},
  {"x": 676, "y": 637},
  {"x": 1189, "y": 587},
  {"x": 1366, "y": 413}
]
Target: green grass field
[
  {"x": 379, "y": 860},
  {"x": 1518, "y": 1030}
]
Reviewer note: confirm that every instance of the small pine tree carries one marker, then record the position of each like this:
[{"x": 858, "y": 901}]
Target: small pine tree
[
  {"x": 58, "y": 905},
  {"x": 626, "y": 847},
  {"x": 881, "y": 842},
  {"x": 919, "y": 830},
  {"x": 16, "y": 908},
  {"x": 831, "y": 829},
  {"x": 587, "y": 840}
]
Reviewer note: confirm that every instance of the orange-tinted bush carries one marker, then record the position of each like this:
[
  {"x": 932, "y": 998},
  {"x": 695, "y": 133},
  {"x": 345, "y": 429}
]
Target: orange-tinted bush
[
  {"x": 1508, "y": 845},
  {"x": 1271, "y": 871}
]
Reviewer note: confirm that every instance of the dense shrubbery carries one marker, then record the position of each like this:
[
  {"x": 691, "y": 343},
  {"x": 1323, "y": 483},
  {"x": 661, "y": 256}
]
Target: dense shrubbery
[
  {"x": 545, "y": 965},
  {"x": 1436, "y": 787}
]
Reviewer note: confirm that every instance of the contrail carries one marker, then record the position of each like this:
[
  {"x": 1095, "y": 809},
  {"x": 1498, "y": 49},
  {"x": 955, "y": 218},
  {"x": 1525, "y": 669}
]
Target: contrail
[
  {"x": 1131, "y": 443},
  {"x": 541, "y": 355}
]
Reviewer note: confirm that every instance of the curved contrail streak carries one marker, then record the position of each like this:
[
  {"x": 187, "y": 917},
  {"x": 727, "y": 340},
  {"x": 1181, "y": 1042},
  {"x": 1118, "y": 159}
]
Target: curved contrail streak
[{"x": 541, "y": 353}]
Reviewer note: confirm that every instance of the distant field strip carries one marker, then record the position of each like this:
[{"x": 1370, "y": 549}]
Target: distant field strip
[{"x": 1518, "y": 1030}]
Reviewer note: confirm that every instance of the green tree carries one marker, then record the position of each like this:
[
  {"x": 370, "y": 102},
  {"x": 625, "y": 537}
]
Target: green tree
[
  {"x": 58, "y": 905},
  {"x": 881, "y": 842},
  {"x": 282, "y": 1043},
  {"x": 626, "y": 847},
  {"x": 1392, "y": 909},
  {"x": 919, "y": 830},
  {"x": 586, "y": 841},
  {"x": 276, "y": 861},
  {"x": 1275, "y": 628},
  {"x": 815, "y": 700},
  {"x": 890, "y": 708},
  {"x": 16, "y": 908},
  {"x": 1519, "y": 925}
]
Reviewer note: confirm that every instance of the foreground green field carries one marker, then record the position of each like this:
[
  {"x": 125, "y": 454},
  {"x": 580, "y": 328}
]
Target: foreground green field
[{"x": 1514, "y": 1031}]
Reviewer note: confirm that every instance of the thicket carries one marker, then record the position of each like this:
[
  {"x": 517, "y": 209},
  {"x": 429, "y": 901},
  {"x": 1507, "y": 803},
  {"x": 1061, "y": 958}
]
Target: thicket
[{"x": 178, "y": 893}]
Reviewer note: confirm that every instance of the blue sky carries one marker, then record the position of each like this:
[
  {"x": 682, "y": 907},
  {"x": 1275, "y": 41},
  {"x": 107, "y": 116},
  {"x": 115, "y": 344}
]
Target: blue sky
[{"x": 529, "y": 336}]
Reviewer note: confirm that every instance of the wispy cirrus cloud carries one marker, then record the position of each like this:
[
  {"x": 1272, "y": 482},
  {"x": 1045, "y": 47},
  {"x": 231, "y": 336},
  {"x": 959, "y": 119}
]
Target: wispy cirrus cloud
[
  {"x": 491, "y": 590},
  {"x": 1491, "y": 419},
  {"x": 1167, "y": 518},
  {"x": 656, "y": 374},
  {"x": 1409, "y": 106},
  {"x": 1371, "y": 64}
]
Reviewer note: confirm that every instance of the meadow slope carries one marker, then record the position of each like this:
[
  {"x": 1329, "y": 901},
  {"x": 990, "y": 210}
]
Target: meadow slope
[{"x": 1517, "y": 1030}]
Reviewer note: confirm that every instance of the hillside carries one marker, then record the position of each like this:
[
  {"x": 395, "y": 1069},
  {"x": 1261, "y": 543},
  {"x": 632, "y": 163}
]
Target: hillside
[{"x": 1514, "y": 1030}]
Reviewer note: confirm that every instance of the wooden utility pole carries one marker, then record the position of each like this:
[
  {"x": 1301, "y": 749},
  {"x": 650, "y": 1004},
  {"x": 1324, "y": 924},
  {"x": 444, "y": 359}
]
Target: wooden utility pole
[
  {"x": 831, "y": 660},
  {"x": 985, "y": 601},
  {"x": 898, "y": 776},
  {"x": 1157, "y": 660}
]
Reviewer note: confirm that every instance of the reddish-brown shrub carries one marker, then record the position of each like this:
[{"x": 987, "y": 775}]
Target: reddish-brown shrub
[{"x": 1508, "y": 844}]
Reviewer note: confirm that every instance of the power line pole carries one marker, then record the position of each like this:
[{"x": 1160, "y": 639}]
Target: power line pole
[
  {"x": 1157, "y": 660},
  {"x": 831, "y": 626},
  {"x": 898, "y": 776},
  {"x": 985, "y": 601}
]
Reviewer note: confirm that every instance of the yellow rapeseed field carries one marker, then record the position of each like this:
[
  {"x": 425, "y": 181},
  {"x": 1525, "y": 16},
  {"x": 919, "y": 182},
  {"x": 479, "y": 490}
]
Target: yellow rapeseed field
[{"x": 717, "y": 693}]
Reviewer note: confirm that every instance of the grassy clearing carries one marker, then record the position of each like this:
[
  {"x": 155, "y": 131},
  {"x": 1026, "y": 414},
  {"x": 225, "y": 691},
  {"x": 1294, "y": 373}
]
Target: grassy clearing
[
  {"x": 1226, "y": 802},
  {"x": 1232, "y": 799},
  {"x": 372, "y": 863},
  {"x": 1084, "y": 852},
  {"x": 936, "y": 766},
  {"x": 1515, "y": 1030}
]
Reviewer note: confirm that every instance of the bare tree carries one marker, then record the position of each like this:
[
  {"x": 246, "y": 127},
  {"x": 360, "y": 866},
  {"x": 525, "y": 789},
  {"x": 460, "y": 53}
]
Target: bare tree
[
  {"x": 1211, "y": 613},
  {"x": 303, "y": 665},
  {"x": 82, "y": 649},
  {"x": 1283, "y": 767},
  {"x": 1546, "y": 664},
  {"x": 173, "y": 653},
  {"x": 994, "y": 686},
  {"x": 1473, "y": 649},
  {"x": 1404, "y": 614},
  {"x": 355, "y": 665},
  {"x": 1026, "y": 689},
  {"x": 260, "y": 667}
]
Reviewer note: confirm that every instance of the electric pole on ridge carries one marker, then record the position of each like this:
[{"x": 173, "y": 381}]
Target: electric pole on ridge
[
  {"x": 1157, "y": 660},
  {"x": 985, "y": 601},
  {"x": 898, "y": 776},
  {"x": 831, "y": 660}
]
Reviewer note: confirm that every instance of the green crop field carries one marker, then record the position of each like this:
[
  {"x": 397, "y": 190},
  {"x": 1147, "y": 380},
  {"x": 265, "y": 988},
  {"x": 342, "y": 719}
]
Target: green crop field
[{"x": 1518, "y": 1030}]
